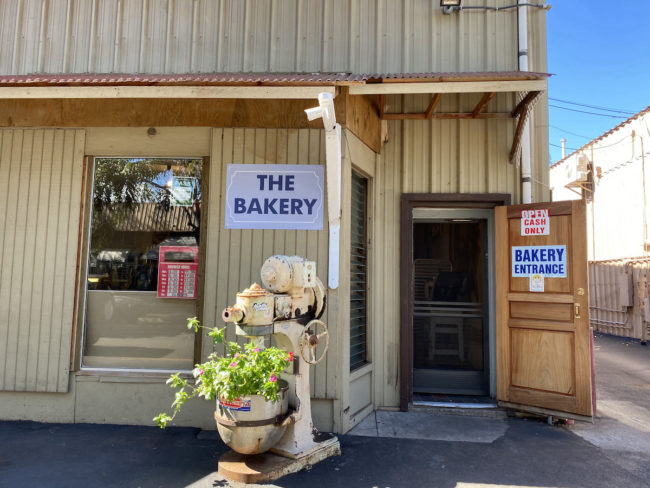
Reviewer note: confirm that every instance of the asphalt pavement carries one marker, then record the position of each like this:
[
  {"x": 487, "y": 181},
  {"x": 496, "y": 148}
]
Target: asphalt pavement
[{"x": 466, "y": 451}]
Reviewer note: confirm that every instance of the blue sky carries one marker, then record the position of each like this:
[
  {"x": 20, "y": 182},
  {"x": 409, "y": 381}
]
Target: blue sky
[{"x": 599, "y": 54}]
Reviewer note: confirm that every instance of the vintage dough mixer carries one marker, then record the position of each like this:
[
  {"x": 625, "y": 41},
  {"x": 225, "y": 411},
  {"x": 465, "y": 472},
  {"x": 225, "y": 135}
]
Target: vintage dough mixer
[{"x": 288, "y": 307}]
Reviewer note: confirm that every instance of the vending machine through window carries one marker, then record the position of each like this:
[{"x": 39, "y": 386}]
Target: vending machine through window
[{"x": 178, "y": 268}]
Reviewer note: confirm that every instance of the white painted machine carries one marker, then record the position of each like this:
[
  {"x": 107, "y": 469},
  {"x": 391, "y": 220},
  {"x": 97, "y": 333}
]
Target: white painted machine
[{"x": 288, "y": 307}]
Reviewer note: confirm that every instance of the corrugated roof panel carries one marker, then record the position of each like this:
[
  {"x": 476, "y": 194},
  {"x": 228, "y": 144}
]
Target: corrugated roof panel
[{"x": 261, "y": 78}]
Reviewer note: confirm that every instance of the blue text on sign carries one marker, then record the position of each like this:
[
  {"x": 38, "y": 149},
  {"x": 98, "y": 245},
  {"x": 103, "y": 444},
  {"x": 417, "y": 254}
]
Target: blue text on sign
[
  {"x": 548, "y": 261},
  {"x": 275, "y": 206},
  {"x": 274, "y": 196}
]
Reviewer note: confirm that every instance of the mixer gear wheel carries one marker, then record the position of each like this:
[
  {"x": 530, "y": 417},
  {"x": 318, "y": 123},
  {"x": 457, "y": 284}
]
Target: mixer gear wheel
[{"x": 310, "y": 340}]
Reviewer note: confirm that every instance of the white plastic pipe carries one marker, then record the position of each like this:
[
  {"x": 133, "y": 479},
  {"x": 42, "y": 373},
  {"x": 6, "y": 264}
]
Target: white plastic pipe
[
  {"x": 333, "y": 169},
  {"x": 526, "y": 173}
]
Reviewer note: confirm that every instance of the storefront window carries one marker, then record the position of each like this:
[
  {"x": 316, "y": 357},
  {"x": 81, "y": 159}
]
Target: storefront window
[{"x": 143, "y": 263}]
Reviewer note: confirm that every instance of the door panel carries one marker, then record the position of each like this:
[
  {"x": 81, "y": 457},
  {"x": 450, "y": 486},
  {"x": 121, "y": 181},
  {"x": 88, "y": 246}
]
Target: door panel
[
  {"x": 542, "y": 360},
  {"x": 543, "y": 350},
  {"x": 541, "y": 311}
]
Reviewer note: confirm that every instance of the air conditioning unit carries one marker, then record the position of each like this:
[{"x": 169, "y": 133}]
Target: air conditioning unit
[{"x": 577, "y": 169}]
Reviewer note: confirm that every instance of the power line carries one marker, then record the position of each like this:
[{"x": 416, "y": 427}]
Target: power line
[
  {"x": 593, "y": 106},
  {"x": 597, "y": 148},
  {"x": 585, "y": 112},
  {"x": 569, "y": 148},
  {"x": 569, "y": 132}
]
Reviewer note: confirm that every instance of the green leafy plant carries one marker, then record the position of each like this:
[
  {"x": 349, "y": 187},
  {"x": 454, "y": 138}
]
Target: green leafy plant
[{"x": 241, "y": 372}]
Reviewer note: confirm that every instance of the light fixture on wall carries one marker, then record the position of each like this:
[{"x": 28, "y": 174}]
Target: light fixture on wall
[{"x": 448, "y": 6}]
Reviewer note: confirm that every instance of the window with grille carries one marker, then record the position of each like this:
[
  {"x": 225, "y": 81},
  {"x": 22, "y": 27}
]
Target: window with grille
[{"x": 359, "y": 272}]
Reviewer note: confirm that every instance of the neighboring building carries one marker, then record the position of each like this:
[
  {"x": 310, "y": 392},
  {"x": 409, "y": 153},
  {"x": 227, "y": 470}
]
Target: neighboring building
[
  {"x": 433, "y": 108},
  {"x": 609, "y": 172}
]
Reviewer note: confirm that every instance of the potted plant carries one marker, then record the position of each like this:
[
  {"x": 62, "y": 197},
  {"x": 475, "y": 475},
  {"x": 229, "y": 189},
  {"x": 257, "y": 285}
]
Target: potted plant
[{"x": 251, "y": 398}]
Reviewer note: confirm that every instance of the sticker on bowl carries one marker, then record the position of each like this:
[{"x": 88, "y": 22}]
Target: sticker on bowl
[{"x": 236, "y": 404}]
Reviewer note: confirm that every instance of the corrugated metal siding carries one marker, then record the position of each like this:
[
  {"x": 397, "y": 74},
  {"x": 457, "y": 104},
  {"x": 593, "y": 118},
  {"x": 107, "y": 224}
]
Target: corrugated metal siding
[
  {"x": 388, "y": 182},
  {"x": 40, "y": 199},
  {"x": 152, "y": 217},
  {"x": 438, "y": 156},
  {"x": 454, "y": 156},
  {"x": 539, "y": 117},
  {"x": 179, "y": 36},
  {"x": 618, "y": 293},
  {"x": 234, "y": 257}
]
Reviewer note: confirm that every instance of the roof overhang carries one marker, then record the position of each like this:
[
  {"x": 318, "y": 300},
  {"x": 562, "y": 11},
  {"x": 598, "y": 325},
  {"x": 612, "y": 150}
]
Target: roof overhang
[
  {"x": 528, "y": 85},
  {"x": 219, "y": 85},
  {"x": 410, "y": 87},
  {"x": 181, "y": 91}
]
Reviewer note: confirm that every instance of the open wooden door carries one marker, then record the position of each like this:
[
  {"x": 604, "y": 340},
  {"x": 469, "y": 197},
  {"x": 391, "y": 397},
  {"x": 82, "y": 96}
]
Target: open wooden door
[{"x": 543, "y": 348}]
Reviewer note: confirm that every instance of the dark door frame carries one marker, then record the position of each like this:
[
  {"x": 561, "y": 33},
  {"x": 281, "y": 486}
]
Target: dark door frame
[{"x": 408, "y": 203}]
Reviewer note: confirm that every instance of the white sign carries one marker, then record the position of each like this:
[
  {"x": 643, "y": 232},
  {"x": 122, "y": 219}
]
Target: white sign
[
  {"x": 535, "y": 222},
  {"x": 536, "y": 283},
  {"x": 547, "y": 261},
  {"x": 182, "y": 191},
  {"x": 274, "y": 196}
]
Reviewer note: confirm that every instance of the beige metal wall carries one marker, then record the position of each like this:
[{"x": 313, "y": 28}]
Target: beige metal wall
[
  {"x": 357, "y": 395},
  {"x": 438, "y": 156},
  {"x": 539, "y": 118},
  {"x": 182, "y": 36},
  {"x": 453, "y": 156},
  {"x": 52, "y": 170},
  {"x": 234, "y": 257},
  {"x": 40, "y": 199}
]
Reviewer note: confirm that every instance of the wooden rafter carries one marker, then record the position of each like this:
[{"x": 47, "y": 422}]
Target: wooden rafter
[
  {"x": 432, "y": 106},
  {"x": 482, "y": 103},
  {"x": 527, "y": 100},
  {"x": 516, "y": 142},
  {"x": 382, "y": 105},
  {"x": 522, "y": 110}
]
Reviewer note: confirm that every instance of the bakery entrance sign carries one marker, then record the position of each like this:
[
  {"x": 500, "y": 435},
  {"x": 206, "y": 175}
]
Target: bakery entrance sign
[
  {"x": 274, "y": 196},
  {"x": 547, "y": 261}
]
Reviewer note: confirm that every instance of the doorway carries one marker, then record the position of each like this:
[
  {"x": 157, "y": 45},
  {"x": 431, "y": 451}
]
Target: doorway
[
  {"x": 442, "y": 206},
  {"x": 452, "y": 296}
]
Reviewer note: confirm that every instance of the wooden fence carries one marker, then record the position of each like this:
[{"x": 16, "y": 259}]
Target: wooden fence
[{"x": 619, "y": 299}]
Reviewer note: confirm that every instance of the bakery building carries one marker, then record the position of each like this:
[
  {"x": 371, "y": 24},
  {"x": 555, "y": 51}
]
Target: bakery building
[{"x": 124, "y": 125}]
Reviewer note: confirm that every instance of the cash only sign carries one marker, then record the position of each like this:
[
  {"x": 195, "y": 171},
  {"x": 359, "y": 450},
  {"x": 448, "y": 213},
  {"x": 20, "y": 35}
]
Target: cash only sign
[{"x": 274, "y": 196}]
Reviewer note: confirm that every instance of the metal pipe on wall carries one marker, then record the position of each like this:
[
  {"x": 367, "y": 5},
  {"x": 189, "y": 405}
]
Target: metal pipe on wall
[{"x": 526, "y": 173}]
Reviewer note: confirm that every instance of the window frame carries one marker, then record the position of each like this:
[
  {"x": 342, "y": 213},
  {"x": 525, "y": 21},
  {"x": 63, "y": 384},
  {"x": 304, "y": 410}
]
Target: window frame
[{"x": 85, "y": 236}]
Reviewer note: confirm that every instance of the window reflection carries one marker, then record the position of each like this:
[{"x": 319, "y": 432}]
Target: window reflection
[{"x": 139, "y": 206}]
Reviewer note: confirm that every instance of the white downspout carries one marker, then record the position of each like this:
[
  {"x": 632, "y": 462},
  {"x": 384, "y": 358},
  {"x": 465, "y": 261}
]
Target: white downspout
[
  {"x": 526, "y": 173},
  {"x": 333, "y": 169}
]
